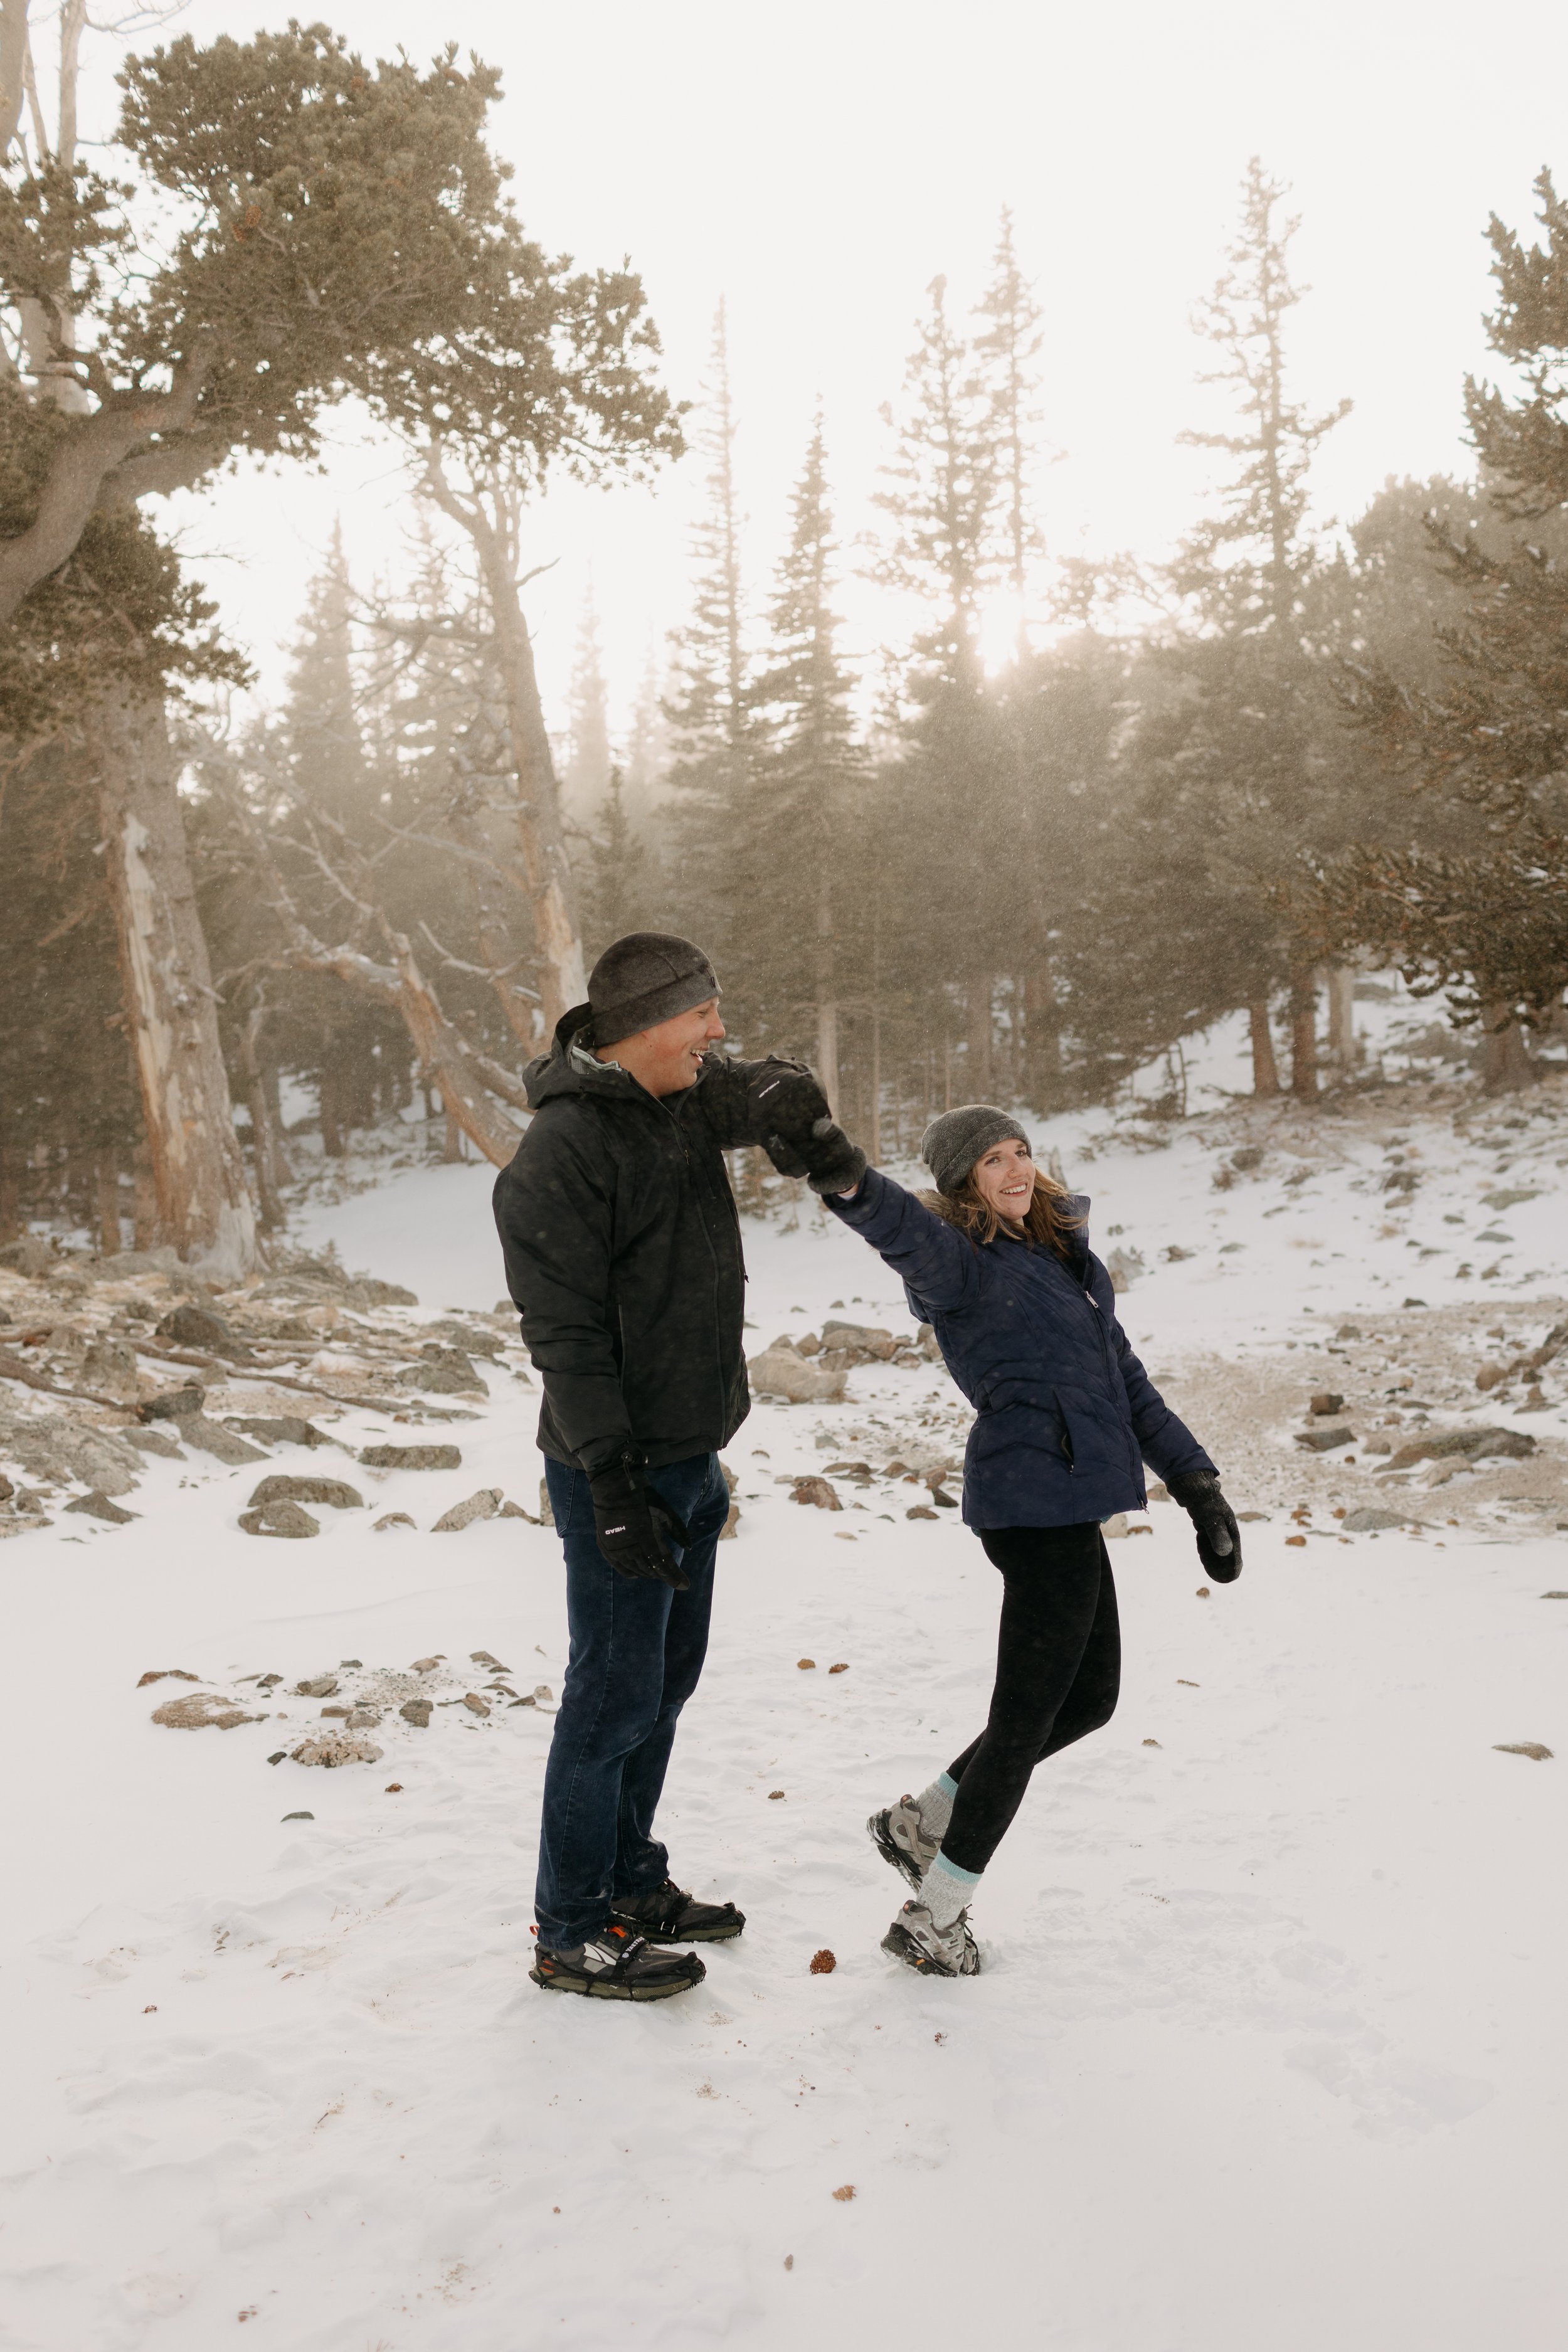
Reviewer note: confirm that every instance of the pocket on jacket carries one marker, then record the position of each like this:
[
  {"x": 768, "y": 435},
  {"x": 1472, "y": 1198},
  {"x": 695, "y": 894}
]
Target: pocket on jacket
[{"x": 1091, "y": 1440}]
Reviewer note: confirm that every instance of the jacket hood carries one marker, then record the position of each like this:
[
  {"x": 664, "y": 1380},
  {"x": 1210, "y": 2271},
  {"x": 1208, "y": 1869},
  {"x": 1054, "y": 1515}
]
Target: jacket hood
[{"x": 559, "y": 1071}]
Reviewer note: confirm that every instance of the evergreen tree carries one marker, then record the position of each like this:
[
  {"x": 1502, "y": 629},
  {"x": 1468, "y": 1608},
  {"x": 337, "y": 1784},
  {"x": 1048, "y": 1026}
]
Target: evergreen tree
[
  {"x": 1480, "y": 904},
  {"x": 588, "y": 761},
  {"x": 808, "y": 773},
  {"x": 1007, "y": 350},
  {"x": 709, "y": 708}
]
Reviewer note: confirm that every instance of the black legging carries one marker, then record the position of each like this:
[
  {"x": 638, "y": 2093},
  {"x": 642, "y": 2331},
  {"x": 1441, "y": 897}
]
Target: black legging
[{"x": 1058, "y": 1669}]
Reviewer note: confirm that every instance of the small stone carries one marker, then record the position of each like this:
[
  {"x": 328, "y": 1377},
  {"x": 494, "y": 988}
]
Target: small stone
[
  {"x": 483, "y": 1504},
  {"x": 1299, "y": 1541},
  {"x": 223, "y": 1445},
  {"x": 197, "y": 1327},
  {"x": 322, "y": 1686},
  {"x": 1348, "y": 1331},
  {"x": 335, "y": 1493},
  {"x": 277, "y": 1429},
  {"x": 1531, "y": 1748},
  {"x": 299, "y": 1816},
  {"x": 483, "y": 1658},
  {"x": 167, "y": 1674},
  {"x": 279, "y": 1519},
  {"x": 395, "y": 1788},
  {"x": 362, "y": 1718},
  {"x": 919, "y": 1511},
  {"x": 341, "y": 1712},
  {"x": 173, "y": 1404},
  {"x": 411, "y": 1457},
  {"x": 806, "y": 1665},
  {"x": 426, "y": 1666},
  {"x": 335, "y": 1749},
  {"x": 1151, "y": 1743},
  {"x": 1327, "y": 1402},
  {"x": 202, "y": 1712},
  {"x": 817, "y": 1492},
  {"x": 543, "y": 1694},
  {"x": 278, "y": 1755},
  {"x": 391, "y": 1520},
  {"x": 773, "y": 1795},
  {"x": 841, "y": 1668},
  {"x": 823, "y": 1963},
  {"x": 1371, "y": 1522},
  {"x": 474, "y": 1704},
  {"x": 154, "y": 1441},
  {"x": 1324, "y": 1441},
  {"x": 417, "y": 1711},
  {"x": 846, "y": 2193},
  {"x": 1202, "y": 1592}
]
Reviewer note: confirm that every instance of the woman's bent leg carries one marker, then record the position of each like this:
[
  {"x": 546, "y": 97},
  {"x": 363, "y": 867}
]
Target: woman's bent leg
[{"x": 1057, "y": 1598}]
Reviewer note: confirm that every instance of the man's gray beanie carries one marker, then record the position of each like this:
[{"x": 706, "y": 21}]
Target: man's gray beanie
[
  {"x": 953, "y": 1143},
  {"x": 646, "y": 978}
]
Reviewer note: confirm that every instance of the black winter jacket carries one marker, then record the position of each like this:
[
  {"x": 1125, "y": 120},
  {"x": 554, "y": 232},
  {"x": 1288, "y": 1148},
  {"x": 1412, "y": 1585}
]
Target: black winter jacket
[{"x": 623, "y": 1255}]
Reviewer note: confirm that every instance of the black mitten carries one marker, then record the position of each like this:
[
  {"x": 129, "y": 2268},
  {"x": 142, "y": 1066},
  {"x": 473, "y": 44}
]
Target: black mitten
[
  {"x": 831, "y": 1162},
  {"x": 786, "y": 1103},
  {"x": 632, "y": 1522},
  {"x": 1213, "y": 1522}
]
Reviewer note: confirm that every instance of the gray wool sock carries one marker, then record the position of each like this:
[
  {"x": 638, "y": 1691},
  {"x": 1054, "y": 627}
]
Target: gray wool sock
[
  {"x": 935, "y": 1806},
  {"x": 945, "y": 1890}
]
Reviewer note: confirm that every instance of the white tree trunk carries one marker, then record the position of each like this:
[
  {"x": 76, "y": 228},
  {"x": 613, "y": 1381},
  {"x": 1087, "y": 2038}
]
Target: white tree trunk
[{"x": 203, "y": 1205}]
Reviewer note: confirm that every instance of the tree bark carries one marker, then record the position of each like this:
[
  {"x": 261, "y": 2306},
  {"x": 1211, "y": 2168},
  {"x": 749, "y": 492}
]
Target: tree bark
[
  {"x": 10, "y": 1192},
  {"x": 980, "y": 1010},
  {"x": 1341, "y": 1017},
  {"x": 1303, "y": 1037},
  {"x": 266, "y": 1150},
  {"x": 557, "y": 946},
  {"x": 1264, "y": 1068},
  {"x": 204, "y": 1207},
  {"x": 1506, "y": 1064},
  {"x": 106, "y": 1199},
  {"x": 826, "y": 999}
]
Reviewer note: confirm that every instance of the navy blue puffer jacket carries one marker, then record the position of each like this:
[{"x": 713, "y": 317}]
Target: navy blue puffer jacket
[{"x": 1066, "y": 1416}]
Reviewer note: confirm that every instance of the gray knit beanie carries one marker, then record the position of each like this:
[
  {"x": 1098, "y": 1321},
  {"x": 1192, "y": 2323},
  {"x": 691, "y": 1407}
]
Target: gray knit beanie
[
  {"x": 953, "y": 1143},
  {"x": 646, "y": 978}
]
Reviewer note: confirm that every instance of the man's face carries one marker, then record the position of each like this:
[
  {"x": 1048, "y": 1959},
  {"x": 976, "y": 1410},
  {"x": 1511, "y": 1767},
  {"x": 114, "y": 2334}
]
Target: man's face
[{"x": 666, "y": 1058}]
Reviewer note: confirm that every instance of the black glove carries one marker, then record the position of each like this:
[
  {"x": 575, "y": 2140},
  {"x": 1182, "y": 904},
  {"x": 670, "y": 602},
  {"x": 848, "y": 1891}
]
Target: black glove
[
  {"x": 830, "y": 1162},
  {"x": 632, "y": 1522},
  {"x": 786, "y": 1103},
  {"x": 1213, "y": 1522}
]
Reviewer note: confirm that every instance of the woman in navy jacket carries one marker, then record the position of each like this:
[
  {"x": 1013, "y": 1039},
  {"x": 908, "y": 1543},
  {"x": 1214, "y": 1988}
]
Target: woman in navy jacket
[{"x": 1066, "y": 1417}]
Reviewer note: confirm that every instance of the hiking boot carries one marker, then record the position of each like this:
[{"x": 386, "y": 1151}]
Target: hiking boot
[
  {"x": 897, "y": 1834},
  {"x": 915, "y": 1939},
  {"x": 616, "y": 1966},
  {"x": 669, "y": 1914}
]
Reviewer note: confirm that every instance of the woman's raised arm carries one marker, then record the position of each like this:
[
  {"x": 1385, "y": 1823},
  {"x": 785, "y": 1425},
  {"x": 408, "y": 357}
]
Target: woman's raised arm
[{"x": 939, "y": 1264}]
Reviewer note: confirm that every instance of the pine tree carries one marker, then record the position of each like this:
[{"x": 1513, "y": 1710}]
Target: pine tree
[
  {"x": 1007, "y": 349},
  {"x": 588, "y": 761},
  {"x": 1247, "y": 755},
  {"x": 1480, "y": 904},
  {"x": 709, "y": 710},
  {"x": 808, "y": 774}
]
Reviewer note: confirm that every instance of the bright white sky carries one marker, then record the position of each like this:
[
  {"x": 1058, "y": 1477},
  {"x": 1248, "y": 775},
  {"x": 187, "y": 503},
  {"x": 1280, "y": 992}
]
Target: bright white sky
[{"x": 818, "y": 163}]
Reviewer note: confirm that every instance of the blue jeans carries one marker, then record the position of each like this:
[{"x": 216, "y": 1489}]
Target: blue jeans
[{"x": 636, "y": 1652}]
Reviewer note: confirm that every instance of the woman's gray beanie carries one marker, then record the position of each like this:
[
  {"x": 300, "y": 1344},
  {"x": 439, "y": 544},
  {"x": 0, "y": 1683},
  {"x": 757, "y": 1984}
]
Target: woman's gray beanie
[{"x": 953, "y": 1143}]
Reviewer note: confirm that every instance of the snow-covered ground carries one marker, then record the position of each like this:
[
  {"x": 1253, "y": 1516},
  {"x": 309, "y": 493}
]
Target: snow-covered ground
[{"x": 1269, "y": 2048}]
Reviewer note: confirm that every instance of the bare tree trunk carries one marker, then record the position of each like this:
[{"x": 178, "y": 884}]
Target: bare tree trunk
[
  {"x": 106, "y": 1199},
  {"x": 1264, "y": 1068},
  {"x": 874, "y": 1125},
  {"x": 979, "y": 1038},
  {"x": 1506, "y": 1064},
  {"x": 271, "y": 1166},
  {"x": 1341, "y": 1017},
  {"x": 203, "y": 1205},
  {"x": 557, "y": 946},
  {"x": 1303, "y": 1036},
  {"x": 826, "y": 999},
  {"x": 10, "y": 1192},
  {"x": 328, "y": 1108}
]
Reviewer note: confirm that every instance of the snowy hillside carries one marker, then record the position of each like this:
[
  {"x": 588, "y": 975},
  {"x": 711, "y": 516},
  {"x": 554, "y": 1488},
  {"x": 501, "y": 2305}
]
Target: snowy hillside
[{"x": 1272, "y": 1965}]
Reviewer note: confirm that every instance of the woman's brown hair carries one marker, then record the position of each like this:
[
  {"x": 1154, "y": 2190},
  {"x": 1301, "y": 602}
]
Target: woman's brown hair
[{"x": 1045, "y": 1220}]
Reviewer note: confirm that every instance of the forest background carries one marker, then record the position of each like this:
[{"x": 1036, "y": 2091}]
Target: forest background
[{"x": 1061, "y": 810}]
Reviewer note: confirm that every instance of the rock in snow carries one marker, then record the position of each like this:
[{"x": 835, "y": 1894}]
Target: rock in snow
[
  {"x": 334, "y": 1747},
  {"x": 482, "y": 1505},
  {"x": 279, "y": 1519},
  {"x": 335, "y": 1493}
]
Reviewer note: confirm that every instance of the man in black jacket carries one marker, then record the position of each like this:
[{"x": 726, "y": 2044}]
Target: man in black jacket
[{"x": 623, "y": 1256}]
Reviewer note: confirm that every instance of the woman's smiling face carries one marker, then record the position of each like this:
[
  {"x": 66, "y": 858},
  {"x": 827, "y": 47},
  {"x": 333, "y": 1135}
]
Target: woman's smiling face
[{"x": 1004, "y": 1179}]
